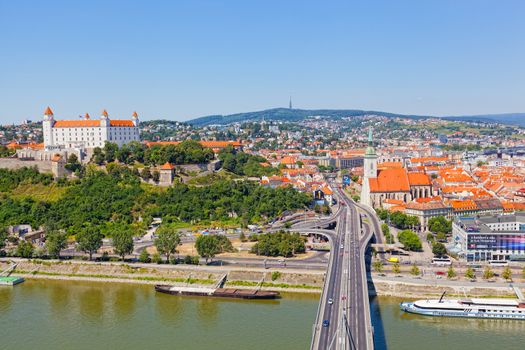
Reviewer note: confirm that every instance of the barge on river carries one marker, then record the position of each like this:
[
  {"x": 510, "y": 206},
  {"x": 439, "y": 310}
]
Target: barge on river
[
  {"x": 513, "y": 309},
  {"x": 217, "y": 292}
]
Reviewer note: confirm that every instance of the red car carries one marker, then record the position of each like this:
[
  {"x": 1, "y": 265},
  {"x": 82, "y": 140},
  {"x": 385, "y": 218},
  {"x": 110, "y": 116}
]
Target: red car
[{"x": 440, "y": 273}]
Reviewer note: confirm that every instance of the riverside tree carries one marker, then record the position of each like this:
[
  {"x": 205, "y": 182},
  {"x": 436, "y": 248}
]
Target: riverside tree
[
  {"x": 451, "y": 273},
  {"x": 507, "y": 273},
  {"x": 488, "y": 273},
  {"x": 55, "y": 242},
  {"x": 25, "y": 249},
  {"x": 396, "y": 268},
  {"x": 378, "y": 266},
  {"x": 207, "y": 246},
  {"x": 415, "y": 270},
  {"x": 168, "y": 240},
  {"x": 122, "y": 243},
  {"x": 89, "y": 240},
  {"x": 469, "y": 273}
]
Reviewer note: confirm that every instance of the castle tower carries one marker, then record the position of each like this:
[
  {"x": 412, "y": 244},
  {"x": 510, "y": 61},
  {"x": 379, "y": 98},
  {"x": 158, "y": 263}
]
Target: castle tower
[
  {"x": 47, "y": 128},
  {"x": 370, "y": 169},
  {"x": 104, "y": 119},
  {"x": 166, "y": 174},
  {"x": 135, "y": 118},
  {"x": 58, "y": 166}
]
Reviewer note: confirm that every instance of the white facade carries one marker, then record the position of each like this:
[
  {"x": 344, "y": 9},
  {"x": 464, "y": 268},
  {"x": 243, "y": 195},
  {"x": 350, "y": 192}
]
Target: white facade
[{"x": 87, "y": 133}]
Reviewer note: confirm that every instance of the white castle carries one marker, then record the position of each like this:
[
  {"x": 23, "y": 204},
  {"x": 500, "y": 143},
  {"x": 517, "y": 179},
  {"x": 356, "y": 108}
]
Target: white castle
[{"x": 87, "y": 133}]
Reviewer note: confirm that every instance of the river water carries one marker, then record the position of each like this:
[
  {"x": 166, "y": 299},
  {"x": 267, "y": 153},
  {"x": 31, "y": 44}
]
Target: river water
[{"x": 40, "y": 314}]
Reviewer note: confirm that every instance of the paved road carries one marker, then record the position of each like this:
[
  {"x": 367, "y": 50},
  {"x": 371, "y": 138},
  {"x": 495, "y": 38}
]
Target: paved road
[{"x": 349, "y": 324}]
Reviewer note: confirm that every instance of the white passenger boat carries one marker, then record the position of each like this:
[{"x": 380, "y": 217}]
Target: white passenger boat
[{"x": 475, "y": 308}]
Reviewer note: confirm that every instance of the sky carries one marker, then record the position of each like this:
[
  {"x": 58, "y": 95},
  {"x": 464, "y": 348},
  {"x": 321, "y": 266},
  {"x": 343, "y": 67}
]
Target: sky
[{"x": 184, "y": 59}]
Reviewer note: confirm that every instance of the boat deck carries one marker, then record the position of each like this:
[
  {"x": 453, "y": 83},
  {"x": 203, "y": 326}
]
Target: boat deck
[{"x": 10, "y": 280}]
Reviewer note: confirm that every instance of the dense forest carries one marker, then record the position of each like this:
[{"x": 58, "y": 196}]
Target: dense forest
[{"x": 118, "y": 198}]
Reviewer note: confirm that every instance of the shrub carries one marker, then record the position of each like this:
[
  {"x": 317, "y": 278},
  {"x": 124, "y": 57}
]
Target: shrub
[
  {"x": 156, "y": 259},
  {"x": 275, "y": 275},
  {"x": 144, "y": 257}
]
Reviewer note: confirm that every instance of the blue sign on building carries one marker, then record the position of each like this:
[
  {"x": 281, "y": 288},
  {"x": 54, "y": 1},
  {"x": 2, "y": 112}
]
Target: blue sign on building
[{"x": 346, "y": 179}]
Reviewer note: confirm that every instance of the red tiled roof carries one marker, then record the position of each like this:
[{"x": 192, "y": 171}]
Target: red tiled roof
[
  {"x": 167, "y": 166},
  {"x": 88, "y": 123},
  {"x": 418, "y": 179},
  {"x": 390, "y": 180}
]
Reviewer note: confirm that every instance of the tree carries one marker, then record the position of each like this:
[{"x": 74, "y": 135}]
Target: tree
[
  {"x": 72, "y": 163},
  {"x": 410, "y": 240},
  {"x": 156, "y": 258},
  {"x": 145, "y": 173},
  {"x": 507, "y": 273},
  {"x": 439, "y": 249},
  {"x": 207, "y": 246},
  {"x": 3, "y": 237},
  {"x": 451, "y": 273},
  {"x": 25, "y": 249},
  {"x": 167, "y": 241},
  {"x": 242, "y": 237},
  {"x": 155, "y": 175},
  {"x": 488, "y": 273},
  {"x": 440, "y": 224},
  {"x": 469, "y": 273},
  {"x": 122, "y": 242},
  {"x": 55, "y": 242},
  {"x": 378, "y": 266},
  {"x": 415, "y": 270},
  {"x": 144, "y": 257},
  {"x": 441, "y": 237},
  {"x": 89, "y": 240},
  {"x": 396, "y": 268}
]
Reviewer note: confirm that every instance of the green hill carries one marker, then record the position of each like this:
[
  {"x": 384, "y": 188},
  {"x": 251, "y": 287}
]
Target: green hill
[{"x": 286, "y": 114}]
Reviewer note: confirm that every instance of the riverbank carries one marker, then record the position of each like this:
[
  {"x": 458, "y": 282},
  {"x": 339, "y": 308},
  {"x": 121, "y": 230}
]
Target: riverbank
[
  {"x": 272, "y": 279},
  {"x": 408, "y": 287}
]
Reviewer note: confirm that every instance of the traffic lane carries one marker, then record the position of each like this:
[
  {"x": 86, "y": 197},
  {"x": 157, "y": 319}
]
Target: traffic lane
[{"x": 334, "y": 285}]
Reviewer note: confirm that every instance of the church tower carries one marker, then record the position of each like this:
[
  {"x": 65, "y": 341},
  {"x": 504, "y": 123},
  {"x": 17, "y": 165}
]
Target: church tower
[{"x": 370, "y": 169}]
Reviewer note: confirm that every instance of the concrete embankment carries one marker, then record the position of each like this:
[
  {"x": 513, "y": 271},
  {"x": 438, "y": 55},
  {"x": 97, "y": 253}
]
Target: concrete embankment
[
  {"x": 278, "y": 280},
  {"x": 419, "y": 288}
]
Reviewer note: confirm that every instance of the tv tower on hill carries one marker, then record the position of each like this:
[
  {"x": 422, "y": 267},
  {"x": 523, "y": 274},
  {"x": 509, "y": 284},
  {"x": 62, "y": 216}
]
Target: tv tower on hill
[{"x": 290, "y": 104}]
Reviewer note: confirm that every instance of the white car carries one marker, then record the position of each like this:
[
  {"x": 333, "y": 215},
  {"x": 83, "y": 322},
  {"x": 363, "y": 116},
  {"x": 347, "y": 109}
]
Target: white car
[{"x": 330, "y": 301}]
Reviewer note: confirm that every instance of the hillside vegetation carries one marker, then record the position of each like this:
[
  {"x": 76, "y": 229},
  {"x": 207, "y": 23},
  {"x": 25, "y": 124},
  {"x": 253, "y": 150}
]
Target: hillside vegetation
[{"x": 118, "y": 198}]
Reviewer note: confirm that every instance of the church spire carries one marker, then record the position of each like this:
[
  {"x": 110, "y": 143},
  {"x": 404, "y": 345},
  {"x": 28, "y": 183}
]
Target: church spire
[{"x": 370, "y": 151}]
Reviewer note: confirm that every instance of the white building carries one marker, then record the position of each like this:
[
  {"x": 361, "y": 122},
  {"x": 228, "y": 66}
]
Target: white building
[
  {"x": 87, "y": 133},
  {"x": 491, "y": 237}
]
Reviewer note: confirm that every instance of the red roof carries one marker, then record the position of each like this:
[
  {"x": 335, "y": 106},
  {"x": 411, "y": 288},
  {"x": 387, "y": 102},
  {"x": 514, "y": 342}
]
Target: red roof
[
  {"x": 418, "y": 179},
  {"x": 88, "y": 123},
  {"x": 390, "y": 180},
  {"x": 105, "y": 113},
  {"x": 135, "y": 114},
  {"x": 48, "y": 111},
  {"x": 167, "y": 166}
]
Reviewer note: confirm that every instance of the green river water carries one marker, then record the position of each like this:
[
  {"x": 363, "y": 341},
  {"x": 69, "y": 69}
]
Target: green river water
[{"x": 40, "y": 314}]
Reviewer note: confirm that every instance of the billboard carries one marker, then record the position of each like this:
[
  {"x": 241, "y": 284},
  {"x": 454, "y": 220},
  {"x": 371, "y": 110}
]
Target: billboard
[
  {"x": 346, "y": 179},
  {"x": 496, "y": 241}
]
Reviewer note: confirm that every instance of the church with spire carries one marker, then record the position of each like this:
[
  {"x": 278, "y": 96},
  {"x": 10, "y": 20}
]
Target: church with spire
[{"x": 381, "y": 183}]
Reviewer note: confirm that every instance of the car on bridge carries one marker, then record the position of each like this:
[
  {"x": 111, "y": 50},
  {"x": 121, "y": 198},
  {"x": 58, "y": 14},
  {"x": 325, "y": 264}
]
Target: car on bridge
[
  {"x": 330, "y": 301},
  {"x": 326, "y": 323}
]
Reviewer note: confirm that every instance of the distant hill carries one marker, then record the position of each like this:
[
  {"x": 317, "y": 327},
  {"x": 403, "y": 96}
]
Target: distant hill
[
  {"x": 286, "y": 114},
  {"x": 507, "y": 118}
]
